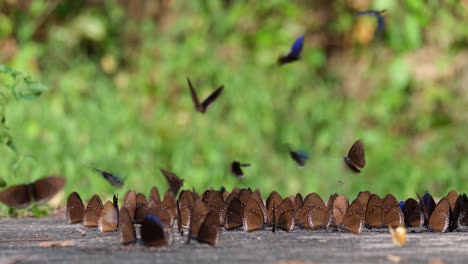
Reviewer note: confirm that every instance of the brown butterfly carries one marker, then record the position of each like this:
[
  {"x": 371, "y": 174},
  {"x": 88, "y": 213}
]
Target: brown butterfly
[
  {"x": 354, "y": 218},
  {"x": 154, "y": 233},
  {"x": 253, "y": 217},
  {"x": 391, "y": 212},
  {"x": 272, "y": 201},
  {"x": 41, "y": 191},
  {"x": 284, "y": 216},
  {"x": 127, "y": 230},
  {"x": 203, "y": 106},
  {"x": 186, "y": 202},
  {"x": 75, "y": 208},
  {"x": 233, "y": 214},
  {"x": 374, "y": 213},
  {"x": 169, "y": 204},
  {"x": 356, "y": 159},
  {"x": 256, "y": 196},
  {"x": 440, "y": 217},
  {"x": 214, "y": 202},
  {"x": 298, "y": 202},
  {"x": 315, "y": 213},
  {"x": 141, "y": 208},
  {"x": 413, "y": 214},
  {"x": 363, "y": 198},
  {"x": 156, "y": 210},
  {"x": 109, "y": 219},
  {"x": 154, "y": 195},
  {"x": 175, "y": 183},
  {"x": 198, "y": 214},
  {"x": 130, "y": 203},
  {"x": 452, "y": 197},
  {"x": 92, "y": 211},
  {"x": 209, "y": 231},
  {"x": 339, "y": 209}
]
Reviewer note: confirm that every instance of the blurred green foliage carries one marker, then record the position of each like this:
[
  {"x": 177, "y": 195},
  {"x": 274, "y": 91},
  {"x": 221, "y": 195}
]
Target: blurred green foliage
[{"x": 118, "y": 97}]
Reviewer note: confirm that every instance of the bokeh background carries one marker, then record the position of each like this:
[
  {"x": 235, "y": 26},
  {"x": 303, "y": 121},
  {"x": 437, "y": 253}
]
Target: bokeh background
[{"x": 118, "y": 97}]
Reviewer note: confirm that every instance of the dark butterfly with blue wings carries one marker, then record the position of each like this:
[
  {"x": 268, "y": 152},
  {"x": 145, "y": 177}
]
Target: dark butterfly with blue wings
[
  {"x": 300, "y": 157},
  {"x": 113, "y": 179},
  {"x": 203, "y": 106},
  {"x": 377, "y": 15},
  {"x": 294, "y": 53},
  {"x": 236, "y": 169}
]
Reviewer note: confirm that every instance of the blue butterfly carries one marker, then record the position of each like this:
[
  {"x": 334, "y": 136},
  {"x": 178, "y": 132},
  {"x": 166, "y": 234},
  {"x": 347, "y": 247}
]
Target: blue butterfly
[
  {"x": 113, "y": 179},
  {"x": 376, "y": 14},
  {"x": 294, "y": 53},
  {"x": 300, "y": 157}
]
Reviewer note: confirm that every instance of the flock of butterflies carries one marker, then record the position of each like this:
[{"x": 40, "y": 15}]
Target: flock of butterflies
[{"x": 203, "y": 216}]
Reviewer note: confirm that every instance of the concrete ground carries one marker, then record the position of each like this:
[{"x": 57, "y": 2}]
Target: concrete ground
[{"x": 20, "y": 242}]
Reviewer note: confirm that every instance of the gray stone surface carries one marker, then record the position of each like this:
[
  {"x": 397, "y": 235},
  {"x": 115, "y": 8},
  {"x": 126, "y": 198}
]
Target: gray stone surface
[{"x": 20, "y": 243}]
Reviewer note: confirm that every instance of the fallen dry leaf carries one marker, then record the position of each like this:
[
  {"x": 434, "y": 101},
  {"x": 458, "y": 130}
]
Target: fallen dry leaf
[
  {"x": 62, "y": 243},
  {"x": 394, "y": 258},
  {"x": 398, "y": 235}
]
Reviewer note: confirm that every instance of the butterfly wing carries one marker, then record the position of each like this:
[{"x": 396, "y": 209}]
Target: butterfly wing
[
  {"x": 413, "y": 215},
  {"x": 355, "y": 217},
  {"x": 209, "y": 230},
  {"x": 114, "y": 180},
  {"x": 92, "y": 211},
  {"x": 109, "y": 219},
  {"x": 75, "y": 208},
  {"x": 194, "y": 95},
  {"x": 296, "y": 48},
  {"x": 130, "y": 202},
  {"x": 152, "y": 232},
  {"x": 210, "y": 99},
  {"x": 356, "y": 156},
  {"x": 175, "y": 183},
  {"x": 127, "y": 230},
  {"x": 17, "y": 196},
  {"x": 440, "y": 218},
  {"x": 44, "y": 189}
]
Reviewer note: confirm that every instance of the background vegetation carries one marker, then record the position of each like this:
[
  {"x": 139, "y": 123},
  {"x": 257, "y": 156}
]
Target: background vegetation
[{"x": 118, "y": 97}]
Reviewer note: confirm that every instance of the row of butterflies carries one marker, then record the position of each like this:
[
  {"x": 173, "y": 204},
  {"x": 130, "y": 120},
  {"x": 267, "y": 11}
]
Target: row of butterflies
[{"x": 204, "y": 216}]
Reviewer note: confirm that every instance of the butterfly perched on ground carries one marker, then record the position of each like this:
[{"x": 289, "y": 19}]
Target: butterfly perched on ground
[
  {"x": 236, "y": 169},
  {"x": 378, "y": 15},
  {"x": 75, "y": 208},
  {"x": 113, "y": 179},
  {"x": 41, "y": 191},
  {"x": 356, "y": 159},
  {"x": 109, "y": 219},
  {"x": 154, "y": 233},
  {"x": 294, "y": 53},
  {"x": 203, "y": 106},
  {"x": 175, "y": 183}
]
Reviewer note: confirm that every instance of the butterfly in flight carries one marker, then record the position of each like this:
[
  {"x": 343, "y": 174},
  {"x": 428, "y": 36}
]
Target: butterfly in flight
[
  {"x": 236, "y": 169},
  {"x": 355, "y": 159},
  {"x": 294, "y": 53},
  {"x": 300, "y": 157},
  {"x": 113, "y": 179},
  {"x": 378, "y": 15},
  {"x": 175, "y": 183},
  {"x": 203, "y": 106},
  {"x": 41, "y": 191}
]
